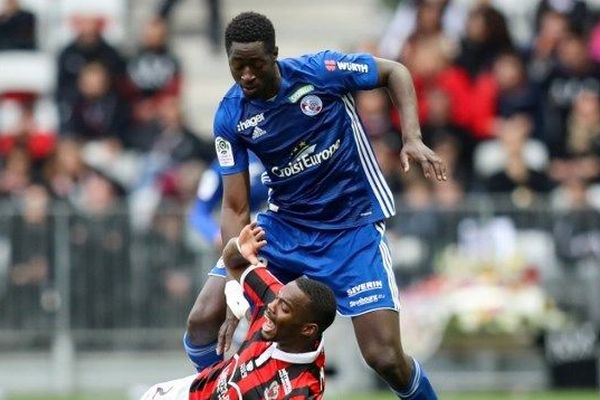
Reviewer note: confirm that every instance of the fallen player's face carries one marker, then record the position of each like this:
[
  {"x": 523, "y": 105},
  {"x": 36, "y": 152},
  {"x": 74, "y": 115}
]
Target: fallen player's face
[
  {"x": 284, "y": 316},
  {"x": 254, "y": 69}
]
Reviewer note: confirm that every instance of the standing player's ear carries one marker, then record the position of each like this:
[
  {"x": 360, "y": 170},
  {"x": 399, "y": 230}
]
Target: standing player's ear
[{"x": 275, "y": 53}]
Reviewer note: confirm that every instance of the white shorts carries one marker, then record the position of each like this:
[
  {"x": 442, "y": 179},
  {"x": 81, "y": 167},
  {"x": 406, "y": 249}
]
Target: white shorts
[{"x": 178, "y": 389}]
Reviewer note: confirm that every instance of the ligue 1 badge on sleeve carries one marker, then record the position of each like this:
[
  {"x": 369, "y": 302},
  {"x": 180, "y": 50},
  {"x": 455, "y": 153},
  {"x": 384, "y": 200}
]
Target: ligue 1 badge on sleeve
[
  {"x": 311, "y": 105},
  {"x": 224, "y": 152}
]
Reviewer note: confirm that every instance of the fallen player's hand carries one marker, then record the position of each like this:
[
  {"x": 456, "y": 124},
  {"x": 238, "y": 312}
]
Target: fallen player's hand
[
  {"x": 226, "y": 332},
  {"x": 250, "y": 240}
]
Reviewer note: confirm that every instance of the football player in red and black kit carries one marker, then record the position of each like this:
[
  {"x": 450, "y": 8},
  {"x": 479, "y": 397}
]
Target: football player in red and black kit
[{"x": 282, "y": 355}]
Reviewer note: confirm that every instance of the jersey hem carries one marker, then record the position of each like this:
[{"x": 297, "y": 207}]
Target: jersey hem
[
  {"x": 367, "y": 311},
  {"x": 332, "y": 226}
]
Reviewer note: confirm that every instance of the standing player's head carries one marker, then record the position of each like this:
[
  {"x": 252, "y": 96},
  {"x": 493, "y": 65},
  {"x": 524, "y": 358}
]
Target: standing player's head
[
  {"x": 300, "y": 313},
  {"x": 250, "y": 45}
]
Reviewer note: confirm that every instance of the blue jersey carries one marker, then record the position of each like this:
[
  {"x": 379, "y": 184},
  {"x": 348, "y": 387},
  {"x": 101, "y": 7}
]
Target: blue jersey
[
  {"x": 321, "y": 169},
  {"x": 210, "y": 192}
]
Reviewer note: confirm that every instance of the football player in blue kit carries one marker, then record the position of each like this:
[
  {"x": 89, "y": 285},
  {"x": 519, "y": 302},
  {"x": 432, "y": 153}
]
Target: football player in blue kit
[{"x": 328, "y": 198}]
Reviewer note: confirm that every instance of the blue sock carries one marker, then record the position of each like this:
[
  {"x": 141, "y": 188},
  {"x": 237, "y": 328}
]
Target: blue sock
[
  {"x": 201, "y": 356},
  {"x": 419, "y": 387}
]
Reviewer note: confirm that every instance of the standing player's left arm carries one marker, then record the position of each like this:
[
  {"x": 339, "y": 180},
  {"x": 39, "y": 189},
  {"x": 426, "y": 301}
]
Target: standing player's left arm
[{"x": 397, "y": 80}]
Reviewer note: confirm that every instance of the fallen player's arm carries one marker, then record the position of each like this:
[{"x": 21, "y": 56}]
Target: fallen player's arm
[{"x": 239, "y": 252}]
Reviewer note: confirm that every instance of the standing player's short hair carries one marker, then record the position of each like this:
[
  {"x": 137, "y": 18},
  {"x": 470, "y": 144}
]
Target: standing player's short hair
[
  {"x": 322, "y": 304},
  {"x": 249, "y": 27}
]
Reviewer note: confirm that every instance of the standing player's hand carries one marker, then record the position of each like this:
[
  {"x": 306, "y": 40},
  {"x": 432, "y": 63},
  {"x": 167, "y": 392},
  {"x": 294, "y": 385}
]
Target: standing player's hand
[
  {"x": 250, "y": 241},
  {"x": 431, "y": 163}
]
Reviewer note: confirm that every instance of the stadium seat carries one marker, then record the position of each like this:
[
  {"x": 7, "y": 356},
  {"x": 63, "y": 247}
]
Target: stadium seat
[
  {"x": 26, "y": 72},
  {"x": 111, "y": 12}
]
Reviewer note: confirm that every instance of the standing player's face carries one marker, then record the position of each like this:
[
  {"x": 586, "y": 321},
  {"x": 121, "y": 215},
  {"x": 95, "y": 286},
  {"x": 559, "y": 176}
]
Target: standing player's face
[
  {"x": 254, "y": 69},
  {"x": 286, "y": 314}
]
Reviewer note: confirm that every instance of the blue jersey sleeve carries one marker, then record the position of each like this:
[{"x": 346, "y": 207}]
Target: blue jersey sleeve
[
  {"x": 231, "y": 153},
  {"x": 343, "y": 73},
  {"x": 210, "y": 191}
]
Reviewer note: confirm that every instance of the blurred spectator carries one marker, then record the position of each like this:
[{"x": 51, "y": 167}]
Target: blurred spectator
[
  {"x": 452, "y": 16},
  {"x": 87, "y": 47},
  {"x": 17, "y": 27},
  {"x": 486, "y": 36},
  {"x": 518, "y": 153},
  {"x": 583, "y": 125},
  {"x": 100, "y": 243},
  {"x": 169, "y": 269},
  {"x": 430, "y": 65},
  {"x": 428, "y": 25},
  {"x": 452, "y": 143},
  {"x": 513, "y": 137},
  {"x": 97, "y": 112},
  {"x": 214, "y": 20},
  {"x": 515, "y": 93},
  {"x": 153, "y": 72},
  {"x": 553, "y": 27},
  {"x": 32, "y": 253},
  {"x": 15, "y": 176},
  {"x": 575, "y": 72},
  {"x": 576, "y": 11},
  {"x": 64, "y": 171},
  {"x": 169, "y": 139},
  {"x": 581, "y": 157}
]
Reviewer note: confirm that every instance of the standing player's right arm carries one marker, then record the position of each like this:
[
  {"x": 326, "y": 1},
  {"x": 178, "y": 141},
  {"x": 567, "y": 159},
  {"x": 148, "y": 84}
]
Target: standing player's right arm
[{"x": 235, "y": 212}]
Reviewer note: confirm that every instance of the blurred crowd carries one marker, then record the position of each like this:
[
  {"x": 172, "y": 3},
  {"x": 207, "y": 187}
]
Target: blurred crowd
[
  {"x": 508, "y": 95},
  {"x": 120, "y": 144}
]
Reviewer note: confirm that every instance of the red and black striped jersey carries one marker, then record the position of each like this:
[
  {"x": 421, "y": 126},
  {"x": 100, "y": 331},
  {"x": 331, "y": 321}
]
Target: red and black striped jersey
[{"x": 260, "y": 370}]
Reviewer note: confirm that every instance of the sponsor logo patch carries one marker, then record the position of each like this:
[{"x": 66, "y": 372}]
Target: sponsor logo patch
[
  {"x": 353, "y": 67},
  {"x": 306, "y": 89},
  {"x": 250, "y": 122},
  {"x": 306, "y": 158},
  {"x": 224, "y": 152},
  {"x": 364, "y": 287},
  {"x": 285, "y": 381},
  {"x": 311, "y": 105},
  {"x": 366, "y": 300}
]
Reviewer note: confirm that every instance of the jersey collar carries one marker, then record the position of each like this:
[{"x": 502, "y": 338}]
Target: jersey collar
[{"x": 296, "y": 358}]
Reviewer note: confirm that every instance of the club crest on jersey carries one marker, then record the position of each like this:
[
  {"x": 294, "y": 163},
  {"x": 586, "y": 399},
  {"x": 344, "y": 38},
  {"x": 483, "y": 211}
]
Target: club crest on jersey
[
  {"x": 330, "y": 65},
  {"x": 272, "y": 391},
  {"x": 311, "y": 105}
]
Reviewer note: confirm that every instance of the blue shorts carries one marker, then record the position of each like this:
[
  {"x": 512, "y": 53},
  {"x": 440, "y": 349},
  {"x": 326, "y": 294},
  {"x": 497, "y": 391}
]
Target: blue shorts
[{"x": 356, "y": 263}]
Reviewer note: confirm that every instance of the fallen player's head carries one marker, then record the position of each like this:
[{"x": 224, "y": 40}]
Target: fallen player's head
[{"x": 301, "y": 312}]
